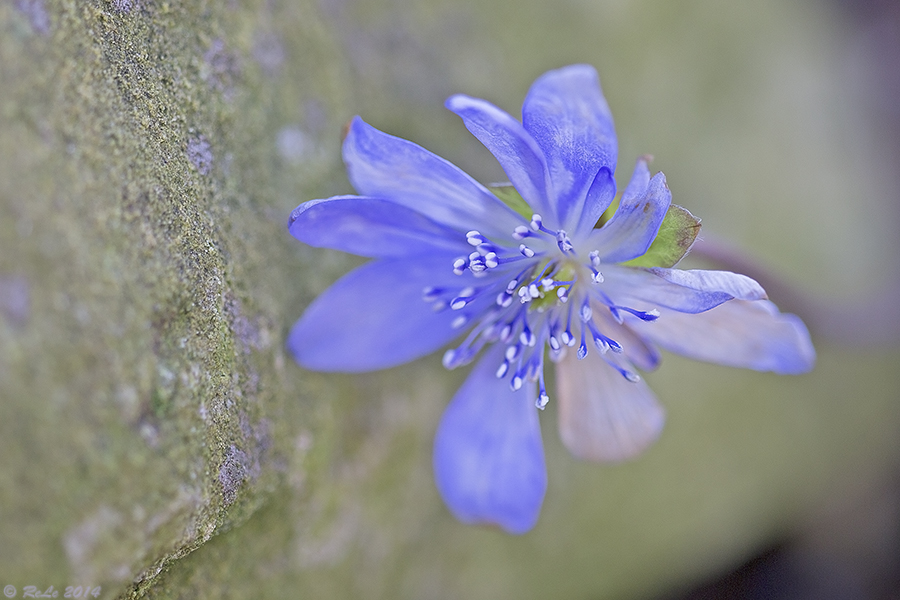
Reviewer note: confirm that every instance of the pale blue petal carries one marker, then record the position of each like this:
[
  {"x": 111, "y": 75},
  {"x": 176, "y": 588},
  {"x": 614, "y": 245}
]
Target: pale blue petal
[
  {"x": 372, "y": 227},
  {"x": 640, "y": 180},
  {"x": 642, "y": 289},
  {"x": 566, "y": 114},
  {"x": 636, "y": 222},
  {"x": 383, "y": 166},
  {"x": 375, "y": 317},
  {"x": 733, "y": 284},
  {"x": 739, "y": 333},
  {"x": 599, "y": 197},
  {"x": 603, "y": 416},
  {"x": 488, "y": 455},
  {"x": 511, "y": 145}
]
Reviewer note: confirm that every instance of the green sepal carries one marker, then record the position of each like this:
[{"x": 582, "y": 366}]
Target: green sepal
[
  {"x": 510, "y": 196},
  {"x": 676, "y": 235}
]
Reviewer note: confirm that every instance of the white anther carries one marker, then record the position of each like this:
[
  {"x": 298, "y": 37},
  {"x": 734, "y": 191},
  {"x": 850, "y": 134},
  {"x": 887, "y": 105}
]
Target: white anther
[
  {"x": 512, "y": 352},
  {"x": 526, "y": 251},
  {"x": 601, "y": 344},
  {"x": 554, "y": 343},
  {"x": 467, "y": 292},
  {"x": 490, "y": 260},
  {"x": 595, "y": 259},
  {"x": 458, "y": 303},
  {"x": 528, "y": 338},
  {"x": 448, "y": 358},
  {"x": 516, "y": 383},
  {"x": 536, "y": 222},
  {"x": 439, "y": 305},
  {"x": 562, "y": 240},
  {"x": 512, "y": 285},
  {"x": 459, "y": 321},
  {"x": 506, "y": 333},
  {"x": 477, "y": 267},
  {"x": 504, "y": 299},
  {"x": 502, "y": 370},
  {"x": 533, "y": 291},
  {"x": 547, "y": 283},
  {"x": 567, "y": 338},
  {"x": 541, "y": 402},
  {"x": 474, "y": 256},
  {"x": 632, "y": 377},
  {"x": 520, "y": 232},
  {"x": 653, "y": 313},
  {"x": 597, "y": 277},
  {"x": 586, "y": 312}
]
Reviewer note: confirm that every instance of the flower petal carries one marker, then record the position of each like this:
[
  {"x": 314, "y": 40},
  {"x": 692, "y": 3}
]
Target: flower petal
[
  {"x": 566, "y": 114},
  {"x": 599, "y": 197},
  {"x": 603, "y": 416},
  {"x": 375, "y": 317},
  {"x": 384, "y": 166},
  {"x": 645, "y": 289},
  {"x": 735, "y": 285},
  {"x": 511, "y": 145},
  {"x": 636, "y": 222},
  {"x": 739, "y": 333},
  {"x": 488, "y": 455},
  {"x": 371, "y": 227}
]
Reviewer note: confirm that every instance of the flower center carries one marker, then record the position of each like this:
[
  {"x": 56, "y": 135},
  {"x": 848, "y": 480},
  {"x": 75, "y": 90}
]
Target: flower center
[{"x": 545, "y": 294}]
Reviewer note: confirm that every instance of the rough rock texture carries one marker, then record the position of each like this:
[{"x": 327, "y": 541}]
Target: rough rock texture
[{"x": 156, "y": 441}]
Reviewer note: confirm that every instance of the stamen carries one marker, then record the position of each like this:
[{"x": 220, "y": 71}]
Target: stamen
[
  {"x": 459, "y": 321},
  {"x": 459, "y": 303},
  {"x": 527, "y": 337},
  {"x": 516, "y": 383},
  {"x": 629, "y": 375},
  {"x": 554, "y": 343},
  {"x": 595, "y": 259},
  {"x": 543, "y": 398},
  {"x": 586, "y": 312},
  {"x": 565, "y": 245},
  {"x": 520, "y": 233},
  {"x": 502, "y": 370},
  {"x": 602, "y": 342},
  {"x": 448, "y": 359},
  {"x": 649, "y": 316},
  {"x": 582, "y": 348},
  {"x": 475, "y": 238},
  {"x": 526, "y": 251},
  {"x": 567, "y": 337},
  {"x": 431, "y": 293}
]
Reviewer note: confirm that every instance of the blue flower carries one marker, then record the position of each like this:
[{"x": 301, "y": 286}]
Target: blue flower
[{"x": 532, "y": 270}]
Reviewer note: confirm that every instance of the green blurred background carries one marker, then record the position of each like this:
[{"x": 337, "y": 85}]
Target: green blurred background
[{"x": 156, "y": 440}]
